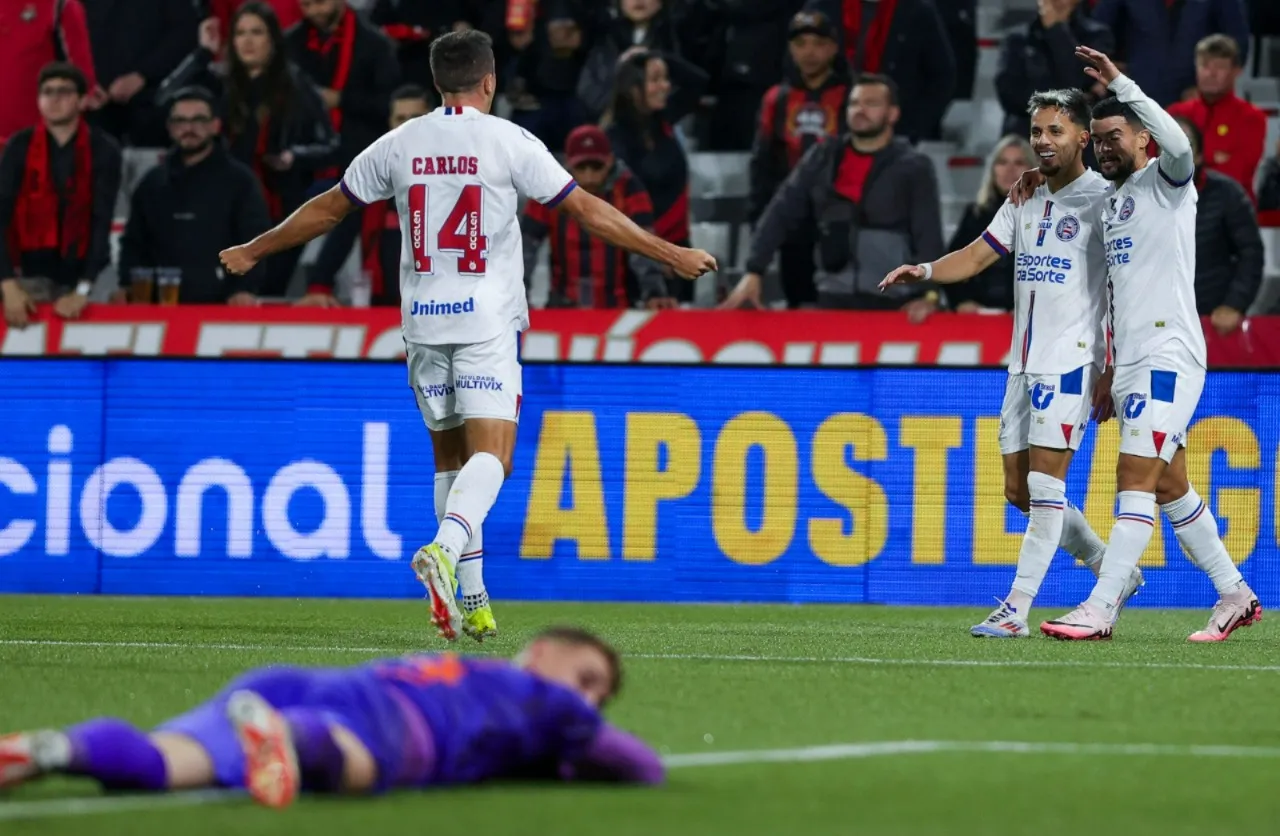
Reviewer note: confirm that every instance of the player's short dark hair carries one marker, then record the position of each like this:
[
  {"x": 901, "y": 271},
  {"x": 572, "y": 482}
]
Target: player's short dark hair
[
  {"x": 461, "y": 60},
  {"x": 1111, "y": 107},
  {"x": 585, "y": 638},
  {"x": 410, "y": 92},
  {"x": 1069, "y": 101},
  {"x": 194, "y": 93},
  {"x": 889, "y": 84},
  {"x": 1193, "y": 133},
  {"x": 64, "y": 71}
]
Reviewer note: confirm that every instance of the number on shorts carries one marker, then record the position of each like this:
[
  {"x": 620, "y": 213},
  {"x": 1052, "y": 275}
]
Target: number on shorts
[{"x": 461, "y": 233}]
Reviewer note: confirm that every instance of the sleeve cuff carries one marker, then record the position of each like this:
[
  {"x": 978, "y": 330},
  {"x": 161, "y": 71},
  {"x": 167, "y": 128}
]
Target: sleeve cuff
[
  {"x": 1000, "y": 249},
  {"x": 351, "y": 196},
  {"x": 1175, "y": 183},
  {"x": 565, "y": 192}
]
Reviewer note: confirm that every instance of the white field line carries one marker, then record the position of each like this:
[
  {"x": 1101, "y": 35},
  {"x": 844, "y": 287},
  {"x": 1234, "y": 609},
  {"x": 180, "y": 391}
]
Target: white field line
[
  {"x": 93, "y": 805},
  {"x": 698, "y": 657}
]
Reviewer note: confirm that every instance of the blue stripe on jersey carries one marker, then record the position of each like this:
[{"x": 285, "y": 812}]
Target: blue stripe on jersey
[
  {"x": 1163, "y": 385},
  {"x": 1026, "y": 337},
  {"x": 1173, "y": 182},
  {"x": 1073, "y": 382},
  {"x": 555, "y": 201},
  {"x": 351, "y": 196},
  {"x": 994, "y": 244}
]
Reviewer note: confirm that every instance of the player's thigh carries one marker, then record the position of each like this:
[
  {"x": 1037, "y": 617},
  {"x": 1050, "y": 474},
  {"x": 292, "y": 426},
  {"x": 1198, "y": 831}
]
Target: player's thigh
[
  {"x": 1059, "y": 406},
  {"x": 1155, "y": 401},
  {"x": 431, "y": 378},
  {"x": 1015, "y": 416}
]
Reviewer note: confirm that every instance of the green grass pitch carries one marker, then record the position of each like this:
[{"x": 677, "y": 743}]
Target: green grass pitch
[{"x": 772, "y": 682}]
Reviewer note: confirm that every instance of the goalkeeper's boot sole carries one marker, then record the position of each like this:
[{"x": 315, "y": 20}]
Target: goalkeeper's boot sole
[
  {"x": 435, "y": 570},
  {"x": 270, "y": 761}
]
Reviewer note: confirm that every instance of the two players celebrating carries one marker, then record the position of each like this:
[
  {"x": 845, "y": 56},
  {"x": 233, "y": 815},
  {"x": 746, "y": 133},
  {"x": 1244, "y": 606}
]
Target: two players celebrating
[{"x": 1087, "y": 252}]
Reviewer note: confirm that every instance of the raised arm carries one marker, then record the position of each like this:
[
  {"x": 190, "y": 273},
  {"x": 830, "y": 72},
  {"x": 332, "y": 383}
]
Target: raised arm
[
  {"x": 964, "y": 264},
  {"x": 311, "y": 220},
  {"x": 603, "y": 220}
]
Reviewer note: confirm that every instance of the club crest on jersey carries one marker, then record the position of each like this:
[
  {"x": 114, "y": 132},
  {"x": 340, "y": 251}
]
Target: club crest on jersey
[
  {"x": 1126, "y": 209},
  {"x": 1133, "y": 406},
  {"x": 1068, "y": 228},
  {"x": 1041, "y": 395}
]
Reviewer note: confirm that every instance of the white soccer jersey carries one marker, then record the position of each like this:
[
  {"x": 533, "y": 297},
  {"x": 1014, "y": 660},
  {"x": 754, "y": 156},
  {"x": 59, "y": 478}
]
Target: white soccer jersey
[
  {"x": 1060, "y": 276},
  {"x": 458, "y": 177},
  {"x": 1151, "y": 243}
]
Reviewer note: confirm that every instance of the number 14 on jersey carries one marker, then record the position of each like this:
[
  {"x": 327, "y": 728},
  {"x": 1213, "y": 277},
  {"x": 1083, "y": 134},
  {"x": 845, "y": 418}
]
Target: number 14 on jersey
[{"x": 460, "y": 233}]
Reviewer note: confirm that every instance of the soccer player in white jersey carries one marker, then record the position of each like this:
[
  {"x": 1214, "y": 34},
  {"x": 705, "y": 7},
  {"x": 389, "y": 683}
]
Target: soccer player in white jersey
[
  {"x": 1059, "y": 345},
  {"x": 1150, "y": 227},
  {"x": 459, "y": 177}
]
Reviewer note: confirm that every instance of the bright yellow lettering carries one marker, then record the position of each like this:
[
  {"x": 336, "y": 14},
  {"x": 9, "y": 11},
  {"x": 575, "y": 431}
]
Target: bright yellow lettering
[
  {"x": 992, "y": 542},
  {"x": 729, "y": 488},
  {"x": 647, "y": 434},
  {"x": 931, "y": 438},
  {"x": 1241, "y": 508},
  {"x": 566, "y": 442},
  {"x": 1100, "y": 501},
  {"x": 862, "y": 496}
]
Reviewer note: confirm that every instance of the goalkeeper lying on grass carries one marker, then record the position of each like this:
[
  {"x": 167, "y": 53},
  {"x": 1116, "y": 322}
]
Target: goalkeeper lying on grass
[{"x": 416, "y": 721}]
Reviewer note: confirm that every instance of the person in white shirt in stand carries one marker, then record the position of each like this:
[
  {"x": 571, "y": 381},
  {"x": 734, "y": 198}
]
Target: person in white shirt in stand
[
  {"x": 1159, "y": 354},
  {"x": 1059, "y": 346},
  {"x": 459, "y": 177}
]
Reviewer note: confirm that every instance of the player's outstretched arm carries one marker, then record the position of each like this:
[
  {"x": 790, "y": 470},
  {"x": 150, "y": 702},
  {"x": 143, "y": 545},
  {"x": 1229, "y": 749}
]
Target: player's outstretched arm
[
  {"x": 312, "y": 219},
  {"x": 603, "y": 220},
  {"x": 613, "y": 755},
  {"x": 952, "y": 268},
  {"x": 1177, "y": 160}
]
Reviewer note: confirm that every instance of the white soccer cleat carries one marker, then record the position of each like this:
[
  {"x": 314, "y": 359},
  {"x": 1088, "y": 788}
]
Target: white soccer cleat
[
  {"x": 1084, "y": 623},
  {"x": 28, "y": 755},
  {"x": 1003, "y": 623},
  {"x": 1230, "y": 614},
  {"x": 271, "y": 764},
  {"x": 1131, "y": 588}
]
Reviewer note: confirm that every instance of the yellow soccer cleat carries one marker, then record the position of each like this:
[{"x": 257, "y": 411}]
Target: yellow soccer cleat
[
  {"x": 480, "y": 624},
  {"x": 434, "y": 568}
]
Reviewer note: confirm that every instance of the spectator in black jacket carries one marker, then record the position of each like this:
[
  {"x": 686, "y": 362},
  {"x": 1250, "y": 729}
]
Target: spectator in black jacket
[
  {"x": 1229, "y": 251},
  {"x": 635, "y": 23},
  {"x": 198, "y": 202},
  {"x": 875, "y": 202},
  {"x": 907, "y": 41},
  {"x": 1042, "y": 57},
  {"x": 354, "y": 66},
  {"x": 640, "y": 125},
  {"x": 58, "y": 185},
  {"x": 136, "y": 44},
  {"x": 544, "y": 83},
  {"x": 1269, "y": 188},
  {"x": 411, "y": 25},
  {"x": 992, "y": 289},
  {"x": 796, "y": 115},
  {"x": 275, "y": 123}
]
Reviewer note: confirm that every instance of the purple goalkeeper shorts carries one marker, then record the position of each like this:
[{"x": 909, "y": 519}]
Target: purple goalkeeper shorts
[{"x": 355, "y": 700}]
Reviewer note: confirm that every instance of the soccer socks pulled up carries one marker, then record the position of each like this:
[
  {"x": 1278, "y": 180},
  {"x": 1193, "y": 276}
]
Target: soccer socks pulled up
[
  {"x": 1048, "y": 502},
  {"x": 1135, "y": 521},
  {"x": 1080, "y": 540},
  {"x": 470, "y": 566},
  {"x": 1197, "y": 531},
  {"x": 320, "y": 761},
  {"x": 118, "y": 755},
  {"x": 473, "y": 493}
]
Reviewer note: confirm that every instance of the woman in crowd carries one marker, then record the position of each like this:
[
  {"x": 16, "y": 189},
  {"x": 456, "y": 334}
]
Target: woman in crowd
[
  {"x": 991, "y": 289},
  {"x": 651, "y": 94},
  {"x": 275, "y": 119},
  {"x": 644, "y": 23}
]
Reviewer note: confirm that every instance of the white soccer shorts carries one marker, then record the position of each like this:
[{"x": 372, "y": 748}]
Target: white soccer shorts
[
  {"x": 1155, "y": 400},
  {"x": 454, "y": 383},
  {"x": 1046, "y": 410}
]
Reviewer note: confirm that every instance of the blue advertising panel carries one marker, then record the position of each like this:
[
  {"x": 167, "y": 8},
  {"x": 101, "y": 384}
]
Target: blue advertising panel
[{"x": 642, "y": 483}]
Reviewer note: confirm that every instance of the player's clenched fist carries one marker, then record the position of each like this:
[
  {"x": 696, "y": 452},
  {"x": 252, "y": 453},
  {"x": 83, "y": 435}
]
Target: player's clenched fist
[
  {"x": 690, "y": 264},
  {"x": 237, "y": 260},
  {"x": 906, "y": 274}
]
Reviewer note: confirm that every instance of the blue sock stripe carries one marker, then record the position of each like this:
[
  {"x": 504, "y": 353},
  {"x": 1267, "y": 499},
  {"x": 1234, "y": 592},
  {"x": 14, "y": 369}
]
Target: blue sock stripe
[
  {"x": 454, "y": 518},
  {"x": 1190, "y": 518},
  {"x": 1048, "y": 503}
]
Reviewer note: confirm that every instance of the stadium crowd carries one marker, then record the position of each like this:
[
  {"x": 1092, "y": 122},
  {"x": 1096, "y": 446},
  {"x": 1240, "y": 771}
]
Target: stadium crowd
[{"x": 263, "y": 104}]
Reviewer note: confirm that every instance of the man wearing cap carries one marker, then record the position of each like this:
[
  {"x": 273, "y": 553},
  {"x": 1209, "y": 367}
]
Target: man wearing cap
[
  {"x": 587, "y": 272},
  {"x": 794, "y": 116}
]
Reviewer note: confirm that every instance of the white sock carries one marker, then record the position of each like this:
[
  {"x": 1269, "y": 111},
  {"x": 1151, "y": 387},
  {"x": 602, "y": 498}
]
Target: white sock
[
  {"x": 471, "y": 562},
  {"x": 473, "y": 493},
  {"x": 1048, "y": 501},
  {"x": 1080, "y": 540},
  {"x": 1135, "y": 521},
  {"x": 1197, "y": 531}
]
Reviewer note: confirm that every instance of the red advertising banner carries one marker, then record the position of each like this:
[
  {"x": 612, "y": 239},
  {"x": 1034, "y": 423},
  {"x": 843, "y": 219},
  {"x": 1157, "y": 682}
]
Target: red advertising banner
[{"x": 797, "y": 338}]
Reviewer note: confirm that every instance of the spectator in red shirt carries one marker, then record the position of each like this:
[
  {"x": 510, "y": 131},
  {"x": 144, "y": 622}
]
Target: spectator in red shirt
[
  {"x": 36, "y": 34},
  {"x": 586, "y": 271},
  {"x": 1235, "y": 132}
]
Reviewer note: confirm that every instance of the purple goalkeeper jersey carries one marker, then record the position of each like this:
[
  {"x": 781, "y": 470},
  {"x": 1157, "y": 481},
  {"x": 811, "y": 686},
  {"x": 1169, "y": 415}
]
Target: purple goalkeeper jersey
[{"x": 488, "y": 719}]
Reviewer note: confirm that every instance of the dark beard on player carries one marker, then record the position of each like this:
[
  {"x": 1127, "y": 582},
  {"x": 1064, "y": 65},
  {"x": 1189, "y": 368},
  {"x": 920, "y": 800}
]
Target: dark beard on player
[{"x": 1123, "y": 169}]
